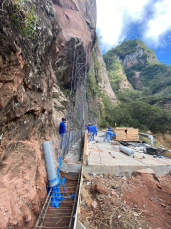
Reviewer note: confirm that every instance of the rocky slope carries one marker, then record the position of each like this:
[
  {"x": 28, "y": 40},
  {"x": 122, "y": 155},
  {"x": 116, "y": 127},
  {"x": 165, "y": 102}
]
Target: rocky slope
[{"x": 36, "y": 52}]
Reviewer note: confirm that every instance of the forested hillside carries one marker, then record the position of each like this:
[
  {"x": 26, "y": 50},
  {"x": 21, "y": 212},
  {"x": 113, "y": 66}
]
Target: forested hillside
[{"x": 146, "y": 104}]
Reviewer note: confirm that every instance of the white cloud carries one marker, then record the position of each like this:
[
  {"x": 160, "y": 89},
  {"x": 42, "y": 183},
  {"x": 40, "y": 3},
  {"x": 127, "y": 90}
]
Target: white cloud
[
  {"x": 160, "y": 24},
  {"x": 113, "y": 15},
  {"x": 110, "y": 14}
]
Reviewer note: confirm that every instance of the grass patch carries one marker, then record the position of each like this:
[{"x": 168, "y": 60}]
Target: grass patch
[
  {"x": 24, "y": 18},
  {"x": 145, "y": 139}
]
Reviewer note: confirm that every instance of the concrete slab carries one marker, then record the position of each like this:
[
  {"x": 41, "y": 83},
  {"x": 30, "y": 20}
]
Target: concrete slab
[
  {"x": 164, "y": 160},
  {"x": 100, "y": 161},
  {"x": 69, "y": 168},
  {"x": 151, "y": 161}
]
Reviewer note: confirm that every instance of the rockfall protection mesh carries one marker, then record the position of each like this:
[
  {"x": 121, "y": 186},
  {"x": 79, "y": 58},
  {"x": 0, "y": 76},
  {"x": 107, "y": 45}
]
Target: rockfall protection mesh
[
  {"x": 76, "y": 112},
  {"x": 76, "y": 108}
]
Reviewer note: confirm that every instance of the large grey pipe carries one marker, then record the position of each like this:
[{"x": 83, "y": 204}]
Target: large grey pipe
[
  {"x": 126, "y": 150},
  {"x": 50, "y": 169}
]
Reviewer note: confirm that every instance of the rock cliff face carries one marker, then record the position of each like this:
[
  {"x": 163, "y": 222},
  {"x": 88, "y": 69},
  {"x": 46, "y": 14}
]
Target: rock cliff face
[
  {"x": 105, "y": 80},
  {"x": 137, "y": 56},
  {"x": 37, "y": 41},
  {"x": 136, "y": 80},
  {"x": 125, "y": 83},
  {"x": 134, "y": 56},
  {"x": 117, "y": 77},
  {"x": 98, "y": 87}
]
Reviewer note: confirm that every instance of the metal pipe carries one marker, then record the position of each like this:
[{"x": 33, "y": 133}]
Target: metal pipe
[
  {"x": 149, "y": 136},
  {"x": 126, "y": 150},
  {"x": 52, "y": 178}
]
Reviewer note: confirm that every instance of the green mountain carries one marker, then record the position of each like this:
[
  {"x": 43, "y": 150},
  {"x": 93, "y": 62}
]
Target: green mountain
[{"x": 142, "y": 86}]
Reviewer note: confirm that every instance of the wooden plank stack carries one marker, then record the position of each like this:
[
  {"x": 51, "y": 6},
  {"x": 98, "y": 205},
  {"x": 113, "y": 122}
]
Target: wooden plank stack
[
  {"x": 126, "y": 134},
  {"x": 120, "y": 133},
  {"x": 132, "y": 134}
]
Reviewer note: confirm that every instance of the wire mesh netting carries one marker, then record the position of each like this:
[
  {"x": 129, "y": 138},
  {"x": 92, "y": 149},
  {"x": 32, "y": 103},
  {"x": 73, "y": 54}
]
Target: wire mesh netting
[
  {"x": 76, "y": 108},
  {"x": 76, "y": 112}
]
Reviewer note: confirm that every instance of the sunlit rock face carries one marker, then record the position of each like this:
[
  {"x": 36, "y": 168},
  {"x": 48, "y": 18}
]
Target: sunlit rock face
[
  {"x": 37, "y": 41},
  {"x": 136, "y": 57},
  {"x": 125, "y": 83},
  {"x": 77, "y": 19},
  {"x": 105, "y": 80},
  {"x": 136, "y": 80}
]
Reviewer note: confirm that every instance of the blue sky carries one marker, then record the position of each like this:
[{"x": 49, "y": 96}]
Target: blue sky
[{"x": 147, "y": 20}]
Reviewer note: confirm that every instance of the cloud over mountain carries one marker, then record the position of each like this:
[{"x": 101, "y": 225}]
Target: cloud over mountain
[{"x": 148, "y": 20}]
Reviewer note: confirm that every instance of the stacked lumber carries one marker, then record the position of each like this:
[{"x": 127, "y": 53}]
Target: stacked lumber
[
  {"x": 132, "y": 134},
  {"x": 126, "y": 134},
  {"x": 120, "y": 133}
]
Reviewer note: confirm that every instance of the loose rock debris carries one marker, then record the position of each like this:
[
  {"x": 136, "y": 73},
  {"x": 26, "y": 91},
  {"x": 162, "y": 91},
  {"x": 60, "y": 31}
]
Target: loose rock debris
[{"x": 138, "y": 202}]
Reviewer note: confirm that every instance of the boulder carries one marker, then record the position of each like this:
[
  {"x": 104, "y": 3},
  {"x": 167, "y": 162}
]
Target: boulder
[{"x": 100, "y": 187}]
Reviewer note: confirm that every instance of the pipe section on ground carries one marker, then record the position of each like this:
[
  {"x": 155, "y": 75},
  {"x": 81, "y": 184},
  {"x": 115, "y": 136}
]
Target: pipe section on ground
[
  {"x": 149, "y": 136},
  {"x": 126, "y": 150},
  {"x": 50, "y": 169}
]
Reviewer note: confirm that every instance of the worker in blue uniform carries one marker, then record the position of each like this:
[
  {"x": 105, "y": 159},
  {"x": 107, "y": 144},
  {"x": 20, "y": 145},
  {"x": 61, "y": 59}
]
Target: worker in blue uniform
[
  {"x": 96, "y": 129},
  {"x": 90, "y": 130},
  {"x": 62, "y": 127},
  {"x": 109, "y": 136},
  {"x": 109, "y": 127},
  {"x": 62, "y": 133}
]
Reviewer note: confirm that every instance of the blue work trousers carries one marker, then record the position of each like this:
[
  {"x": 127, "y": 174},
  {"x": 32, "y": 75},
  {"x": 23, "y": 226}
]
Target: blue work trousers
[
  {"x": 108, "y": 137},
  {"x": 111, "y": 137},
  {"x": 91, "y": 137},
  {"x": 63, "y": 135}
]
